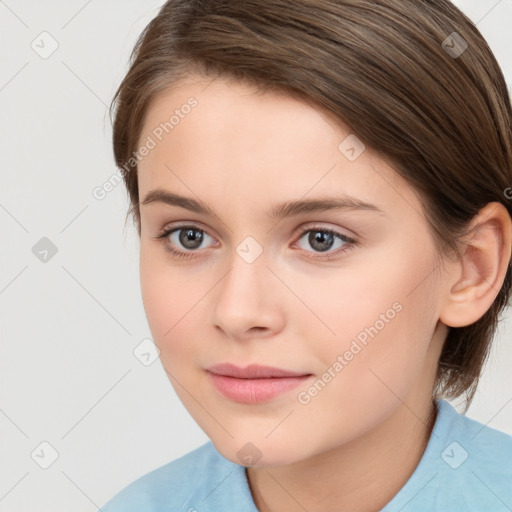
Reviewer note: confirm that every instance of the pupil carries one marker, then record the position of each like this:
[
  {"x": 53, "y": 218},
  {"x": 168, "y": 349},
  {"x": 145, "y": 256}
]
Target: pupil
[
  {"x": 324, "y": 239},
  {"x": 189, "y": 240}
]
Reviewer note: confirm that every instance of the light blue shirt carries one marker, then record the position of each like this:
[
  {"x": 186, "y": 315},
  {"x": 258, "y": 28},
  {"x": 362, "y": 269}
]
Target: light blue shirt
[{"x": 466, "y": 467}]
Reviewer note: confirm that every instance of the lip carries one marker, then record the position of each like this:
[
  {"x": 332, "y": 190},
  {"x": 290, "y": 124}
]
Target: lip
[
  {"x": 252, "y": 371},
  {"x": 254, "y": 383}
]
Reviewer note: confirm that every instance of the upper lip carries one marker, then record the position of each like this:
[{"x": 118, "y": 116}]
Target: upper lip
[{"x": 253, "y": 371}]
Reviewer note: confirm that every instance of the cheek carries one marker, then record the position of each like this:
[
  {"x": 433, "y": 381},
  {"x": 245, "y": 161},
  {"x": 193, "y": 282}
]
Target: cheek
[
  {"x": 378, "y": 355},
  {"x": 170, "y": 298},
  {"x": 383, "y": 321}
]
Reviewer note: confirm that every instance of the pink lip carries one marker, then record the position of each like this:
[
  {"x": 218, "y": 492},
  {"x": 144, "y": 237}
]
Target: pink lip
[{"x": 254, "y": 383}]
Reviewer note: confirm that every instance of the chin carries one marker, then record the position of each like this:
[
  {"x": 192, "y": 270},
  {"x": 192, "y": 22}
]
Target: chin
[{"x": 256, "y": 453}]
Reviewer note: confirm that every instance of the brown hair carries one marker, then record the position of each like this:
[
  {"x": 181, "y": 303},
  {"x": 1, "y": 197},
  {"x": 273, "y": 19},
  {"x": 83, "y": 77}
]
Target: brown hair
[{"x": 391, "y": 70}]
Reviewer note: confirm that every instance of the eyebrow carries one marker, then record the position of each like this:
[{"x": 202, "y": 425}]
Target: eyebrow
[{"x": 279, "y": 211}]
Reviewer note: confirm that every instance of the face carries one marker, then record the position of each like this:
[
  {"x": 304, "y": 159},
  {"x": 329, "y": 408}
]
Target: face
[{"x": 346, "y": 297}]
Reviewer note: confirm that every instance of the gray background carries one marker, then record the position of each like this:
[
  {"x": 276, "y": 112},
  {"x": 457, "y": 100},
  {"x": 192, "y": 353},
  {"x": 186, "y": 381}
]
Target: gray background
[{"x": 68, "y": 373}]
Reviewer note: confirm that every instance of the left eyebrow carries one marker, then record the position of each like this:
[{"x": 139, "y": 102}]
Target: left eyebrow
[
  {"x": 279, "y": 211},
  {"x": 345, "y": 202}
]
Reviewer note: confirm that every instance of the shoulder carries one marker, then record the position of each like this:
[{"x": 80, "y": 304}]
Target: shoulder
[
  {"x": 178, "y": 484},
  {"x": 467, "y": 465},
  {"x": 474, "y": 442}
]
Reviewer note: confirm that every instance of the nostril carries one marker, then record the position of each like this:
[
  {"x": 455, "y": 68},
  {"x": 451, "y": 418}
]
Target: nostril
[{"x": 258, "y": 329}]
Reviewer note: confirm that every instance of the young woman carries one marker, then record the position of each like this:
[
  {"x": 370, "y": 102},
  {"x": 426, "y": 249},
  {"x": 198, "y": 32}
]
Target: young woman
[{"x": 322, "y": 190}]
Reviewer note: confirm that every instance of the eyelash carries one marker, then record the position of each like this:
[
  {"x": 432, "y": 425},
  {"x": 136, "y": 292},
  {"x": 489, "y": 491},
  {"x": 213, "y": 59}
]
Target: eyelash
[{"x": 350, "y": 243}]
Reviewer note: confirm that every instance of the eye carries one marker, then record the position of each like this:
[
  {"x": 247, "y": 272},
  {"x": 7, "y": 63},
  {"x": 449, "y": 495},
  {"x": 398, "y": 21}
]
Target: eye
[
  {"x": 190, "y": 237},
  {"x": 323, "y": 240}
]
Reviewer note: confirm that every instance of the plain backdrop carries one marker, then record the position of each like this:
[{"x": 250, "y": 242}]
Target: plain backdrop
[{"x": 80, "y": 415}]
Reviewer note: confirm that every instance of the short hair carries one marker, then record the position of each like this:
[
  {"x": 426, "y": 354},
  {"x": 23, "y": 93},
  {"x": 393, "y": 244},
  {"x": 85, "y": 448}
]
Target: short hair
[{"x": 415, "y": 81}]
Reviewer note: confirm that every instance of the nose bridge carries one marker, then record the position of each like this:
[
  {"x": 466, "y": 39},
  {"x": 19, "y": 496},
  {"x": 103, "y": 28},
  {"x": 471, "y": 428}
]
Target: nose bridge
[
  {"x": 246, "y": 295},
  {"x": 247, "y": 276}
]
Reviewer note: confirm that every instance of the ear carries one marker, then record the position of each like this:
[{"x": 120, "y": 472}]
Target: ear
[{"x": 476, "y": 279}]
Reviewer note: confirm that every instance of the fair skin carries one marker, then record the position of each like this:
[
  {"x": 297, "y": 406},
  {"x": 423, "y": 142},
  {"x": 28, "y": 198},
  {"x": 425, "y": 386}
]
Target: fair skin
[{"x": 358, "y": 440}]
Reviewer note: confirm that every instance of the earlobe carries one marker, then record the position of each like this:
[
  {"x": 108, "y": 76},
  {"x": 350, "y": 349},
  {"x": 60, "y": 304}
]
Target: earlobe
[{"x": 481, "y": 269}]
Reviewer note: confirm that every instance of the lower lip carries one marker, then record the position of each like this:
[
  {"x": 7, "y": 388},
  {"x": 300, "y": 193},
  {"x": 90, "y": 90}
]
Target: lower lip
[{"x": 254, "y": 391}]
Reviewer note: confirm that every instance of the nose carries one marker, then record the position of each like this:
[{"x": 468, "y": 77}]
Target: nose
[{"x": 247, "y": 301}]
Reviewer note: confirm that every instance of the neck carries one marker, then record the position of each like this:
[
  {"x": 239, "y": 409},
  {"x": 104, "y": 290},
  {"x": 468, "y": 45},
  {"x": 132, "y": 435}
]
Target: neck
[{"x": 361, "y": 476}]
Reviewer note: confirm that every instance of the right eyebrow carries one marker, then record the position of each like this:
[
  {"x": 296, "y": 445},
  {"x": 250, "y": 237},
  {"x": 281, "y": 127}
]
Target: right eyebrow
[{"x": 166, "y": 197}]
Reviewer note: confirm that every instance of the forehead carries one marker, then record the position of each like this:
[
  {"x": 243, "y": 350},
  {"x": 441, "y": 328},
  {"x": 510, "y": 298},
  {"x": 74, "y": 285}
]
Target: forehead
[{"x": 218, "y": 138}]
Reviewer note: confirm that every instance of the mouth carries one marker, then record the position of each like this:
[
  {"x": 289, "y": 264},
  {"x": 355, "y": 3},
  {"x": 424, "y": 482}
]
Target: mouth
[{"x": 254, "y": 383}]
